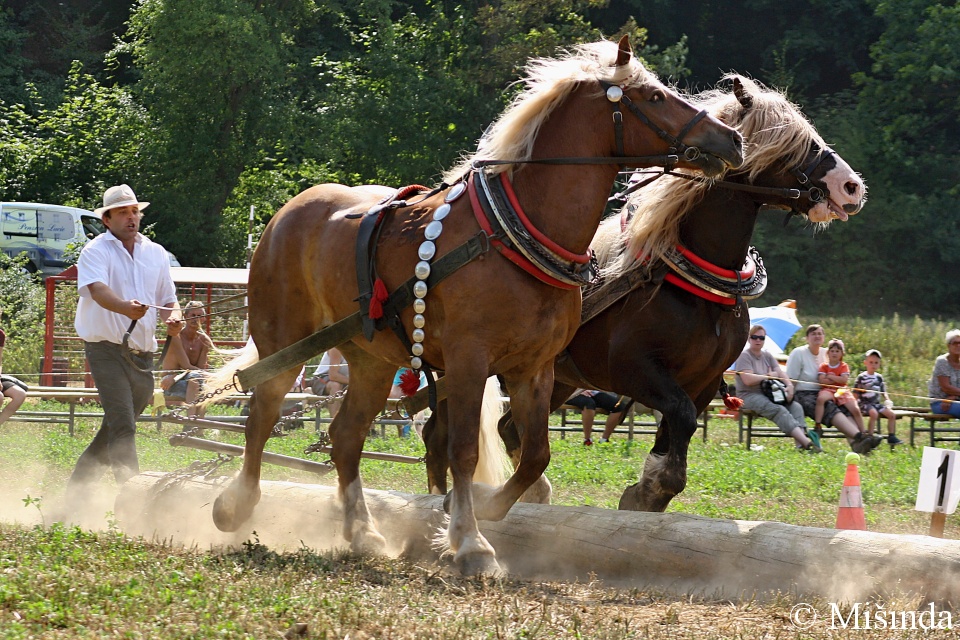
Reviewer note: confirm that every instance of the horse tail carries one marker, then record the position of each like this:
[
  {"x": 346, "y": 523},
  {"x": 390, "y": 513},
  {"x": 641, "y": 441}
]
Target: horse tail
[
  {"x": 221, "y": 380},
  {"x": 493, "y": 465}
]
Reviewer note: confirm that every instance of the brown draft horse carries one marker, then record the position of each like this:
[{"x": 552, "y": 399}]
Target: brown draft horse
[
  {"x": 663, "y": 345},
  {"x": 489, "y": 317}
]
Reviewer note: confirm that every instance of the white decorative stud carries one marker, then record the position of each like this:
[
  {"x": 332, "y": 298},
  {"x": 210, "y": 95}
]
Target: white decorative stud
[
  {"x": 419, "y": 306},
  {"x": 427, "y": 250},
  {"x": 433, "y": 230},
  {"x": 419, "y": 320},
  {"x": 455, "y": 192},
  {"x": 422, "y": 270},
  {"x": 420, "y": 289}
]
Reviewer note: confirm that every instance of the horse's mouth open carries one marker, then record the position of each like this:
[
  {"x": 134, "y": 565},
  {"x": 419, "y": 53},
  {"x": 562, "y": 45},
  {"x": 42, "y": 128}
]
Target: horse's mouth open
[{"x": 837, "y": 211}]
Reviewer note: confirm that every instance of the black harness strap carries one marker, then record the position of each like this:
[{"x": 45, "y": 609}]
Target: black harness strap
[
  {"x": 345, "y": 329},
  {"x": 125, "y": 349},
  {"x": 365, "y": 261}
]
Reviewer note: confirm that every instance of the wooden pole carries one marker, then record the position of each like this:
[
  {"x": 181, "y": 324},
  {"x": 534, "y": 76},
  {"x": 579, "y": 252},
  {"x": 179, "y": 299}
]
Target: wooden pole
[
  {"x": 674, "y": 551},
  {"x": 937, "y": 520}
]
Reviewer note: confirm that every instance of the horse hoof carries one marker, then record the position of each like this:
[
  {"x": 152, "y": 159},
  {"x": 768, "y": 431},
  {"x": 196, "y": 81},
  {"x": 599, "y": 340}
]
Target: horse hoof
[
  {"x": 630, "y": 500},
  {"x": 478, "y": 564},
  {"x": 369, "y": 543},
  {"x": 229, "y": 513}
]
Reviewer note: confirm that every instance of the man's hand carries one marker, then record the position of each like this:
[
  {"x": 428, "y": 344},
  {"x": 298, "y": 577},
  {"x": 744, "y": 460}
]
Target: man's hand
[
  {"x": 174, "y": 326},
  {"x": 134, "y": 309}
]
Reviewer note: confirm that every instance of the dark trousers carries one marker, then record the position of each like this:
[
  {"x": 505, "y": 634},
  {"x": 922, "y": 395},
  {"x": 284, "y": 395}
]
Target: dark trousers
[{"x": 125, "y": 391}]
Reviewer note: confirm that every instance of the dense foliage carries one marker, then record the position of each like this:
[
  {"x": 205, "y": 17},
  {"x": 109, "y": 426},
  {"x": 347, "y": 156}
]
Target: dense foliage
[{"x": 210, "y": 107}]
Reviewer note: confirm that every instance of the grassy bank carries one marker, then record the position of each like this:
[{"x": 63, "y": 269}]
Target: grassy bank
[{"x": 64, "y": 582}]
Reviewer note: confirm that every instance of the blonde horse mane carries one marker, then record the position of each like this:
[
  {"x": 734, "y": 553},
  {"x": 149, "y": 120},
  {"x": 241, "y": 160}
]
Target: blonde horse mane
[
  {"x": 547, "y": 82},
  {"x": 774, "y": 130}
]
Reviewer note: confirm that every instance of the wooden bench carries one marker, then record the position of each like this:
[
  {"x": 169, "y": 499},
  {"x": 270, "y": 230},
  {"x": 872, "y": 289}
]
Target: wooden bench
[
  {"x": 931, "y": 423},
  {"x": 747, "y": 430},
  {"x": 630, "y": 426},
  {"x": 750, "y": 430}
]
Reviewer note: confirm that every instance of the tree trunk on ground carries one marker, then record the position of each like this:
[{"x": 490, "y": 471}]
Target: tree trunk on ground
[{"x": 673, "y": 551}]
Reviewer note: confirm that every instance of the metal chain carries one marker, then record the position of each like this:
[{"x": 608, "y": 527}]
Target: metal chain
[
  {"x": 196, "y": 469},
  {"x": 203, "y": 397}
]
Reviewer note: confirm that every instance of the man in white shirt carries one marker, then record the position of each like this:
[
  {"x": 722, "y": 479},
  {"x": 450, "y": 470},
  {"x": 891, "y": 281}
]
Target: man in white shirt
[{"x": 123, "y": 279}]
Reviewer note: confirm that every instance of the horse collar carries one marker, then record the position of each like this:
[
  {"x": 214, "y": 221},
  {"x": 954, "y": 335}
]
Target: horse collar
[
  {"x": 499, "y": 214},
  {"x": 715, "y": 284}
]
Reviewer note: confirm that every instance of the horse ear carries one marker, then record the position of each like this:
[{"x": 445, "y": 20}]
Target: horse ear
[
  {"x": 744, "y": 98},
  {"x": 626, "y": 51}
]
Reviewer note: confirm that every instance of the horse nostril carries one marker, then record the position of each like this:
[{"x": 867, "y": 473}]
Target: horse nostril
[{"x": 852, "y": 188}]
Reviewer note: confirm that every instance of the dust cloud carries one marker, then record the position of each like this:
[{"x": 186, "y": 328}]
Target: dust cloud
[{"x": 672, "y": 552}]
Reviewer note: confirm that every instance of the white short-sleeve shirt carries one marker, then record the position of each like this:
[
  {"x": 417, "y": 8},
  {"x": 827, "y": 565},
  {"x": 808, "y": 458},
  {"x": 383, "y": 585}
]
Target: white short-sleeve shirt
[
  {"x": 803, "y": 367},
  {"x": 144, "y": 276}
]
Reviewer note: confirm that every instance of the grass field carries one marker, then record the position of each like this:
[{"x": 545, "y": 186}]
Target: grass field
[{"x": 65, "y": 582}]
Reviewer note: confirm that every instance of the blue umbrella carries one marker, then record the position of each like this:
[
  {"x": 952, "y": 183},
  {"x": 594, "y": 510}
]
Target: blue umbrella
[{"x": 780, "y": 322}]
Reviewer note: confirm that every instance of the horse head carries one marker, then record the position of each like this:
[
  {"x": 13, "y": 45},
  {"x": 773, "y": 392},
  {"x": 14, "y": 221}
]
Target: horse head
[
  {"x": 821, "y": 185},
  {"x": 701, "y": 141}
]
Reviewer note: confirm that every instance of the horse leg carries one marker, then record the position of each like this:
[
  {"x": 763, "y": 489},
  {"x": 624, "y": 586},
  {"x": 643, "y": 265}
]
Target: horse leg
[
  {"x": 366, "y": 396},
  {"x": 665, "y": 469},
  {"x": 530, "y": 408},
  {"x": 472, "y": 553},
  {"x": 235, "y": 504},
  {"x": 541, "y": 491},
  {"x": 435, "y": 440}
]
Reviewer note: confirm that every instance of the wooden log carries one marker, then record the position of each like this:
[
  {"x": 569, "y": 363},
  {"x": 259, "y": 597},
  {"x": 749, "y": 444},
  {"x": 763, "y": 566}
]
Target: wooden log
[{"x": 673, "y": 551}]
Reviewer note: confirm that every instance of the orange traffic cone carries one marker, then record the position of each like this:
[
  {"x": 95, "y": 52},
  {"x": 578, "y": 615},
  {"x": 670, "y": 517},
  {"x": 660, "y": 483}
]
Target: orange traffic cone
[{"x": 850, "y": 515}]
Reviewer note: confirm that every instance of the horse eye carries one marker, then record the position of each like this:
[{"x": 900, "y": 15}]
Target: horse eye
[{"x": 657, "y": 97}]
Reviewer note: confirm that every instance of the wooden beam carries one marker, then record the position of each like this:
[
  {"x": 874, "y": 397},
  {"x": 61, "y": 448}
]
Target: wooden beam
[{"x": 674, "y": 551}]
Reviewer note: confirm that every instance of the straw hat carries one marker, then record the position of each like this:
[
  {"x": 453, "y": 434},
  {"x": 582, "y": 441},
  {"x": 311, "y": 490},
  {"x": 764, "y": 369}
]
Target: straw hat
[{"x": 119, "y": 196}]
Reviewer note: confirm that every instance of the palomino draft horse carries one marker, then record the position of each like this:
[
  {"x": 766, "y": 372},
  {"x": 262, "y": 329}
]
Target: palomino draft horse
[
  {"x": 667, "y": 343},
  {"x": 507, "y": 312}
]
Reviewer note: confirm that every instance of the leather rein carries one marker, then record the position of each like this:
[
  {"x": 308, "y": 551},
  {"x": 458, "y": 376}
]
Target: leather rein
[
  {"x": 694, "y": 274},
  {"x": 811, "y": 195}
]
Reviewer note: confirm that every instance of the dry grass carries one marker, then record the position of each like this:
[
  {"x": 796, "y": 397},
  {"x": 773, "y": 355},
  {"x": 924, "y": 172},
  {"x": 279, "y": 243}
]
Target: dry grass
[{"x": 58, "y": 582}]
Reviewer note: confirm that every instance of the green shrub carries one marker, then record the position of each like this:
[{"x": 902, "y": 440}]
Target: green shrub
[{"x": 22, "y": 301}]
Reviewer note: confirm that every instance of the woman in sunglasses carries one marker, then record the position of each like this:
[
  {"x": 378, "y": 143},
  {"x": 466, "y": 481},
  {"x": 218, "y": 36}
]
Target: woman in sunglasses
[{"x": 754, "y": 368}]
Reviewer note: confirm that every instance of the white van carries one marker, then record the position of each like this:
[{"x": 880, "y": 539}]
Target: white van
[{"x": 43, "y": 232}]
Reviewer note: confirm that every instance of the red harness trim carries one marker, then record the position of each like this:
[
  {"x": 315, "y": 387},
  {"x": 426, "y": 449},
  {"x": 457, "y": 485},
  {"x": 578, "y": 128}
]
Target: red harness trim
[
  {"x": 697, "y": 291},
  {"x": 582, "y": 258},
  {"x": 714, "y": 269},
  {"x": 515, "y": 257},
  {"x": 409, "y": 190}
]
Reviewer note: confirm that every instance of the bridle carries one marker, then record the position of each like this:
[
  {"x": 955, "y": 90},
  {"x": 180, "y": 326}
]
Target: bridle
[
  {"x": 811, "y": 195},
  {"x": 616, "y": 97}
]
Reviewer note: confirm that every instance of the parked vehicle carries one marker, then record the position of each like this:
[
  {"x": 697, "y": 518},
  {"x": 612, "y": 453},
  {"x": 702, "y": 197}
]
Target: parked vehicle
[{"x": 44, "y": 231}]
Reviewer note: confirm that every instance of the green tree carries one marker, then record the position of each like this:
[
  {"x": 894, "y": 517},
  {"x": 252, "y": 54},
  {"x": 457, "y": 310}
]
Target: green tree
[
  {"x": 902, "y": 253},
  {"x": 66, "y": 153},
  {"x": 214, "y": 74}
]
